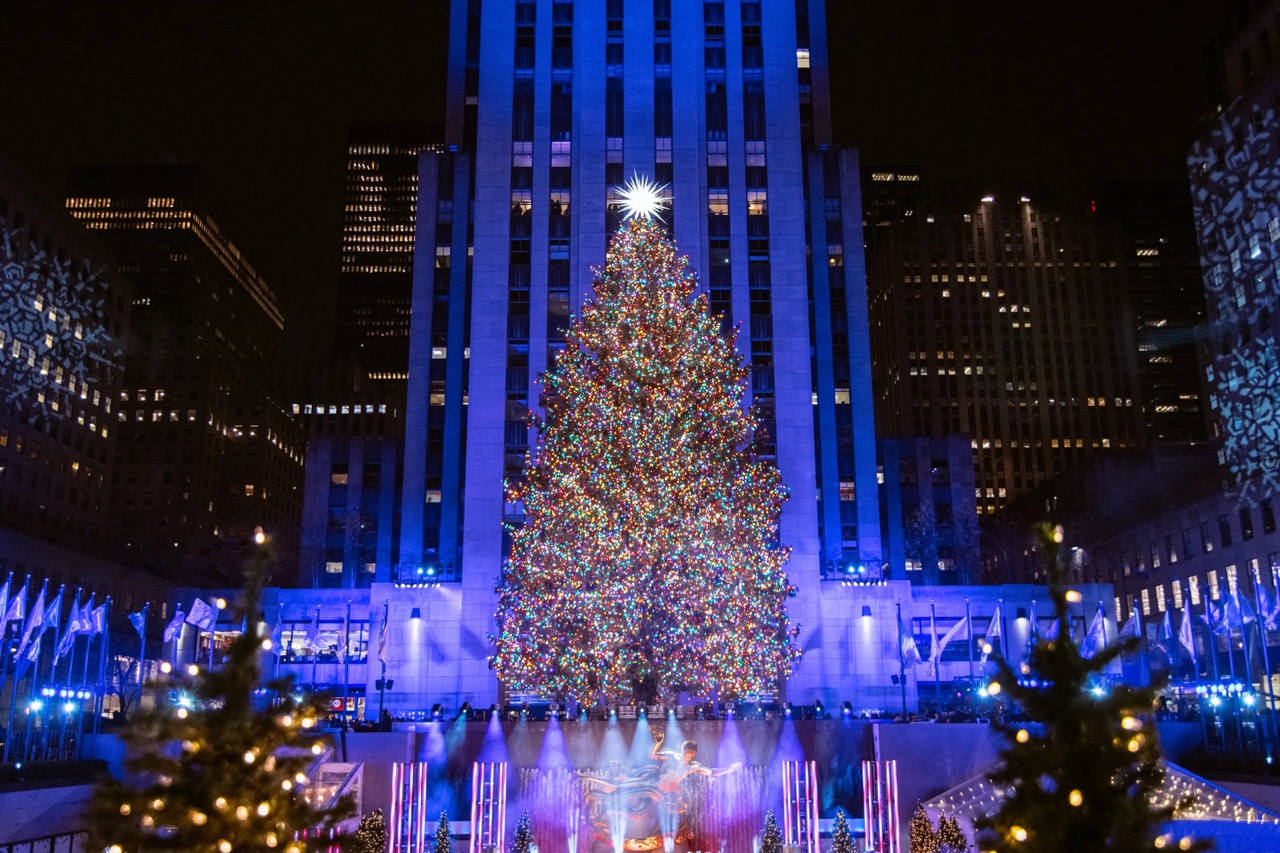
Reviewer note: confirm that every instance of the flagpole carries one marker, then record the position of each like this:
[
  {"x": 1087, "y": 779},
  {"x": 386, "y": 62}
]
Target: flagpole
[
  {"x": 35, "y": 677},
  {"x": 1210, "y": 640},
  {"x": 13, "y": 688},
  {"x": 4, "y": 631},
  {"x": 1033, "y": 628},
  {"x": 101, "y": 688},
  {"x": 177, "y": 641},
  {"x": 1244, "y": 641},
  {"x": 1231, "y": 652},
  {"x": 933, "y": 655},
  {"x": 382, "y": 657},
  {"x": 902, "y": 661},
  {"x": 345, "y": 639},
  {"x": 71, "y": 652},
  {"x": 142, "y": 651},
  {"x": 1266, "y": 656},
  {"x": 1004, "y": 633},
  {"x": 13, "y": 703},
  {"x": 968, "y": 636},
  {"x": 1195, "y": 665},
  {"x": 315, "y": 652}
]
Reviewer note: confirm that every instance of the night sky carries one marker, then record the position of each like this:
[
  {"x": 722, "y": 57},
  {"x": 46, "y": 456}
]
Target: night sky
[{"x": 261, "y": 94}]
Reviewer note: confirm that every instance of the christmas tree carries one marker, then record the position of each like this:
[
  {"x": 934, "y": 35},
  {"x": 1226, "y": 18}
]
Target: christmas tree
[
  {"x": 771, "y": 841},
  {"x": 920, "y": 833},
  {"x": 523, "y": 842},
  {"x": 648, "y": 562},
  {"x": 1085, "y": 782},
  {"x": 371, "y": 836},
  {"x": 841, "y": 840},
  {"x": 444, "y": 841},
  {"x": 220, "y": 769},
  {"x": 950, "y": 837}
]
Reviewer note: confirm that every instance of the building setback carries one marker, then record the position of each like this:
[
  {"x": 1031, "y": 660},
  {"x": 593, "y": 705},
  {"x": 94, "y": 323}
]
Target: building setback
[
  {"x": 551, "y": 107},
  {"x": 1005, "y": 319},
  {"x": 204, "y": 454}
]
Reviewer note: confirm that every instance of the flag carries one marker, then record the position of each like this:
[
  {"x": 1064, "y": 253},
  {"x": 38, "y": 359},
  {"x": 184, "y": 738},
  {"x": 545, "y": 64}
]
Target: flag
[
  {"x": 951, "y": 634},
  {"x": 34, "y": 617},
  {"x": 33, "y": 653},
  {"x": 52, "y": 615},
  {"x": 1096, "y": 637},
  {"x": 382, "y": 639},
  {"x": 86, "y": 616},
  {"x": 1185, "y": 634},
  {"x": 1166, "y": 628},
  {"x": 345, "y": 637},
  {"x": 139, "y": 622},
  {"x": 1237, "y": 611},
  {"x": 202, "y": 615},
  {"x": 276, "y": 634},
  {"x": 1132, "y": 628},
  {"x": 17, "y": 607},
  {"x": 4, "y": 594},
  {"x": 1214, "y": 618},
  {"x": 1051, "y": 633},
  {"x": 70, "y": 632},
  {"x": 174, "y": 628},
  {"x": 933, "y": 642},
  {"x": 907, "y": 650},
  {"x": 98, "y": 619},
  {"x": 312, "y": 640},
  {"x": 993, "y": 629}
]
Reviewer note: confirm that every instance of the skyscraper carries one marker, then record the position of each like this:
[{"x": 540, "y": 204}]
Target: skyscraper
[
  {"x": 1162, "y": 270},
  {"x": 552, "y": 106},
  {"x": 1006, "y": 319},
  {"x": 204, "y": 455},
  {"x": 376, "y": 279}
]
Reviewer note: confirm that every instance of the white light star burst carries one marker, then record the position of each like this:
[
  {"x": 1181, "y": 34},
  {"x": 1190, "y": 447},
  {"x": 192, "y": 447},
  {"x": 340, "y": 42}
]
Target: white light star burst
[{"x": 643, "y": 197}]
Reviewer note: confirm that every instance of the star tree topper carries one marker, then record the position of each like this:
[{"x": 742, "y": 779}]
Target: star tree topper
[{"x": 643, "y": 198}]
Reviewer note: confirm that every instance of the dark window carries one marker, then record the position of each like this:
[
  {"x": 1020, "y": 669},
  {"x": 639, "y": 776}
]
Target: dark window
[
  {"x": 1224, "y": 530},
  {"x": 1246, "y": 524}
]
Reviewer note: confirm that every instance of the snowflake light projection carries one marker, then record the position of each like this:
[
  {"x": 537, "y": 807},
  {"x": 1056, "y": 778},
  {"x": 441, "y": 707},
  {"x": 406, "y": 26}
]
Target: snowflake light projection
[
  {"x": 1235, "y": 175},
  {"x": 1248, "y": 403},
  {"x": 52, "y": 330}
]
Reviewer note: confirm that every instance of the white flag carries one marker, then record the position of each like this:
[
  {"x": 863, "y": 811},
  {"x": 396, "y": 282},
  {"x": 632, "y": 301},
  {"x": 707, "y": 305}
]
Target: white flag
[
  {"x": 1185, "y": 634},
  {"x": 952, "y": 633},
  {"x": 993, "y": 629},
  {"x": 202, "y": 615},
  {"x": 1096, "y": 637},
  {"x": 174, "y": 628}
]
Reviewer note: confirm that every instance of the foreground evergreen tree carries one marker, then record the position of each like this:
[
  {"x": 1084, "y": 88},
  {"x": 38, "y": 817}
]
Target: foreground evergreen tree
[
  {"x": 444, "y": 841},
  {"x": 841, "y": 839},
  {"x": 771, "y": 841},
  {"x": 523, "y": 842},
  {"x": 920, "y": 833},
  {"x": 371, "y": 836},
  {"x": 226, "y": 774},
  {"x": 1084, "y": 783},
  {"x": 648, "y": 562}
]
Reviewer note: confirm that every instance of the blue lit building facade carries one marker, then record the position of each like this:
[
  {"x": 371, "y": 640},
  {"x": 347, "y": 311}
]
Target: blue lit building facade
[{"x": 551, "y": 107}]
